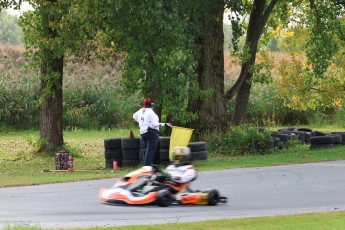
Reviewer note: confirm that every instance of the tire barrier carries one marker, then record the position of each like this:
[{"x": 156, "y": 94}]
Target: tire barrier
[
  {"x": 112, "y": 152},
  {"x": 129, "y": 152},
  {"x": 163, "y": 151},
  {"x": 198, "y": 151},
  {"x": 316, "y": 139}
]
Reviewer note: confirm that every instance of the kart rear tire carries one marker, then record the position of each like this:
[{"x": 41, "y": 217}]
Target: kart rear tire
[
  {"x": 213, "y": 197},
  {"x": 164, "y": 198}
]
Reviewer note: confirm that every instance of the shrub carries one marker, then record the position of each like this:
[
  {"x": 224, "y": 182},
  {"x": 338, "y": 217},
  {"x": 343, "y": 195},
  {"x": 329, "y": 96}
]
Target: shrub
[
  {"x": 19, "y": 102},
  {"x": 92, "y": 108},
  {"x": 239, "y": 140}
]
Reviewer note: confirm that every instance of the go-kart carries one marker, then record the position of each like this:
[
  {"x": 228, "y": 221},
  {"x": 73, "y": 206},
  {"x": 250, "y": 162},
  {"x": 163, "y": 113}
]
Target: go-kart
[{"x": 149, "y": 185}]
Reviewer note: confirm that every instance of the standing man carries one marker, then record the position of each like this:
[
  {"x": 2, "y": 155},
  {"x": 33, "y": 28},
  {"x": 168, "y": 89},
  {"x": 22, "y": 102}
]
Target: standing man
[{"x": 149, "y": 129}]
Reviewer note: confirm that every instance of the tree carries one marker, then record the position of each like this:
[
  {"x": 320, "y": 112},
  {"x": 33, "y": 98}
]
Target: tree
[
  {"x": 260, "y": 12},
  {"x": 320, "y": 49},
  {"x": 42, "y": 28},
  {"x": 210, "y": 106},
  {"x": 10, "y": 3},
  {"x": 158, "y": 53}
]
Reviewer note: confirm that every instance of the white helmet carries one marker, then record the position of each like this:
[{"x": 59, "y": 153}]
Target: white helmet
[{"x": 180, "y": 154}]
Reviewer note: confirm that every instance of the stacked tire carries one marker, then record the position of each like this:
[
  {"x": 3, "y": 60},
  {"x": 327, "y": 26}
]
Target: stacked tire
[
  {"x": 198, "y": 150},
  {"x": 130, "y": 151},
  {"x": 112, "y": 152},
  {"x": 342, "y": 134},
  {"x": 321, "y": 142},
  {"x": 164, "y": 145}
]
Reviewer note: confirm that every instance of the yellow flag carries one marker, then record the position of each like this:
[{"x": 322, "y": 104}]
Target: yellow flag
[{"x": 179, "y": 137}]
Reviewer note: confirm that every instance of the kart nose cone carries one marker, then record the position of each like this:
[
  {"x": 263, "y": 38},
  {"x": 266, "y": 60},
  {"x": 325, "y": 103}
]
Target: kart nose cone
[{"x": 103, "y": 195}]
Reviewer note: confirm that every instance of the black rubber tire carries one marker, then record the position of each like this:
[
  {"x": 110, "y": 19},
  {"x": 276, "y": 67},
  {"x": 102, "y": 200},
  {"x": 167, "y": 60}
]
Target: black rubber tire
[
  {"x": 164, "y": 198},
  {"x": 112, "y": 154},
  {"x": 276, "y": 142},
  {"x": 304, "y": 130},
  {"x": 320, "y": 140},
  {"x": 307, "y": 137},
  {"x": 318, "y": 133},
  {"x": 112, "y": 143},
  {"x": 130, "y": 154},
  {"x": 109, "y": 163},
  {"x": 130, "y": 163},
  {"x": 130, "y": 143},
  {"x": 321, "y": 146},
  {"x": 287, "y": 129},
  {"x": 283, "y": 137},
  {"x": 300, "y": 136},
  {"x": 164, "y": 142},
  {"x": 213, "y": 197},
  {"x": 164, "y": 154},
  {"x": 342, "y": 134},
  {"x": 200, "y": 155},
  {"x": 197, "y": 146},
  {"x": 337, "y": 139}
]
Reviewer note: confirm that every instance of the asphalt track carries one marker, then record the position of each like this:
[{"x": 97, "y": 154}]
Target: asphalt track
[{"x": 261, "y": 191}]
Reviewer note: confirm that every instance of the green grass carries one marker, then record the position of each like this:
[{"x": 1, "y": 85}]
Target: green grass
[
  {"x": 314, "y": 221},
  {"x": 20, "y": 165}
]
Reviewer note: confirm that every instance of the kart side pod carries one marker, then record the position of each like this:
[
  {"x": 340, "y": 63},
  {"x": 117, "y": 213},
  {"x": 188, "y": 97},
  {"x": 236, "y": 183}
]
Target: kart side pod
[{"x": 210, "y": 197}]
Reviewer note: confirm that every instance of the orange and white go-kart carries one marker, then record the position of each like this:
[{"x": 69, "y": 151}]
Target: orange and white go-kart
[{"x": 148, "y": 185}]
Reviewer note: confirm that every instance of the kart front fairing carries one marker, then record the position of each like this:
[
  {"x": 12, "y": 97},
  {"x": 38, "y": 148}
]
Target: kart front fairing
[{"x": 132, "y": 189}]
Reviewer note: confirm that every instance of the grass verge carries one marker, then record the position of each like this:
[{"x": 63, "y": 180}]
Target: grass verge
[
  {"x": 329, "y": 221},
  {"x": 19, "y": 165}
]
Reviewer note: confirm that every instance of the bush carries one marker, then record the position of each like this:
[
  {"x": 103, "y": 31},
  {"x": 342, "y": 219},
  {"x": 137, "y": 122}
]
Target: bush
[
  {"x": 340, "y": 117},
  {"x": 84, "y": 108},
  {"x": 92, "y": 108},
  {"x": 239, "y": 140},
  {"x": 19, "y": 102},
  {"x": 266, "y": 109}
]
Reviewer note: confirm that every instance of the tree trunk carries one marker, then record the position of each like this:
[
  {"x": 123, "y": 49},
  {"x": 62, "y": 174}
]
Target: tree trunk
[
  {"x": 51, "y": 114},
  {"x": 51, "y": 126},
  {"x": 210, "y": 109},
  {"x": 257, "y": 21}
]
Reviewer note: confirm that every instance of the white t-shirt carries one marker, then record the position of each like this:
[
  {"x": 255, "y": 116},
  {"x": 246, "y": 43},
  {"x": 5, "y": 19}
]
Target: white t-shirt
[{"x": 146, "y": 118}]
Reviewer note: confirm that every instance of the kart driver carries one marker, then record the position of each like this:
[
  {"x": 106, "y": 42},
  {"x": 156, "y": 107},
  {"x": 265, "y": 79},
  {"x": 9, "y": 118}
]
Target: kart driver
[{"x": 180, "y": 173}]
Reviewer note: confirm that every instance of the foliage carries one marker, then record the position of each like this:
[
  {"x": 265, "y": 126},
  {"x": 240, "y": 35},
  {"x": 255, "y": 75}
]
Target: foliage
[
  {"x": 324, "y": 26},
  {"x": 91, "y": 108},
  {"x": 38, "y": 144},
  {"x": 238, "y": 140},
  {"x": 10, "y": 3},
  {"x": 99, "y": 103},
  {"x": 294, "y": 89},
  {"x": 19, "y": 102},
  {"x": 10, "y": 32}
]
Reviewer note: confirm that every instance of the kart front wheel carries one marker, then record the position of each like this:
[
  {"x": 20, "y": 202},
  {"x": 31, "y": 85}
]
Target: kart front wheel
[
  {"x": 213, "y": 197},
  {"x": 164, "y": 198}
]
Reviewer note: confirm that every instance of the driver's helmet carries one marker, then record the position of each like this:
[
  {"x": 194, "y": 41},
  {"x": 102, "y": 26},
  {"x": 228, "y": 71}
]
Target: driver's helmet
[{"x": 180, "y": 155}]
